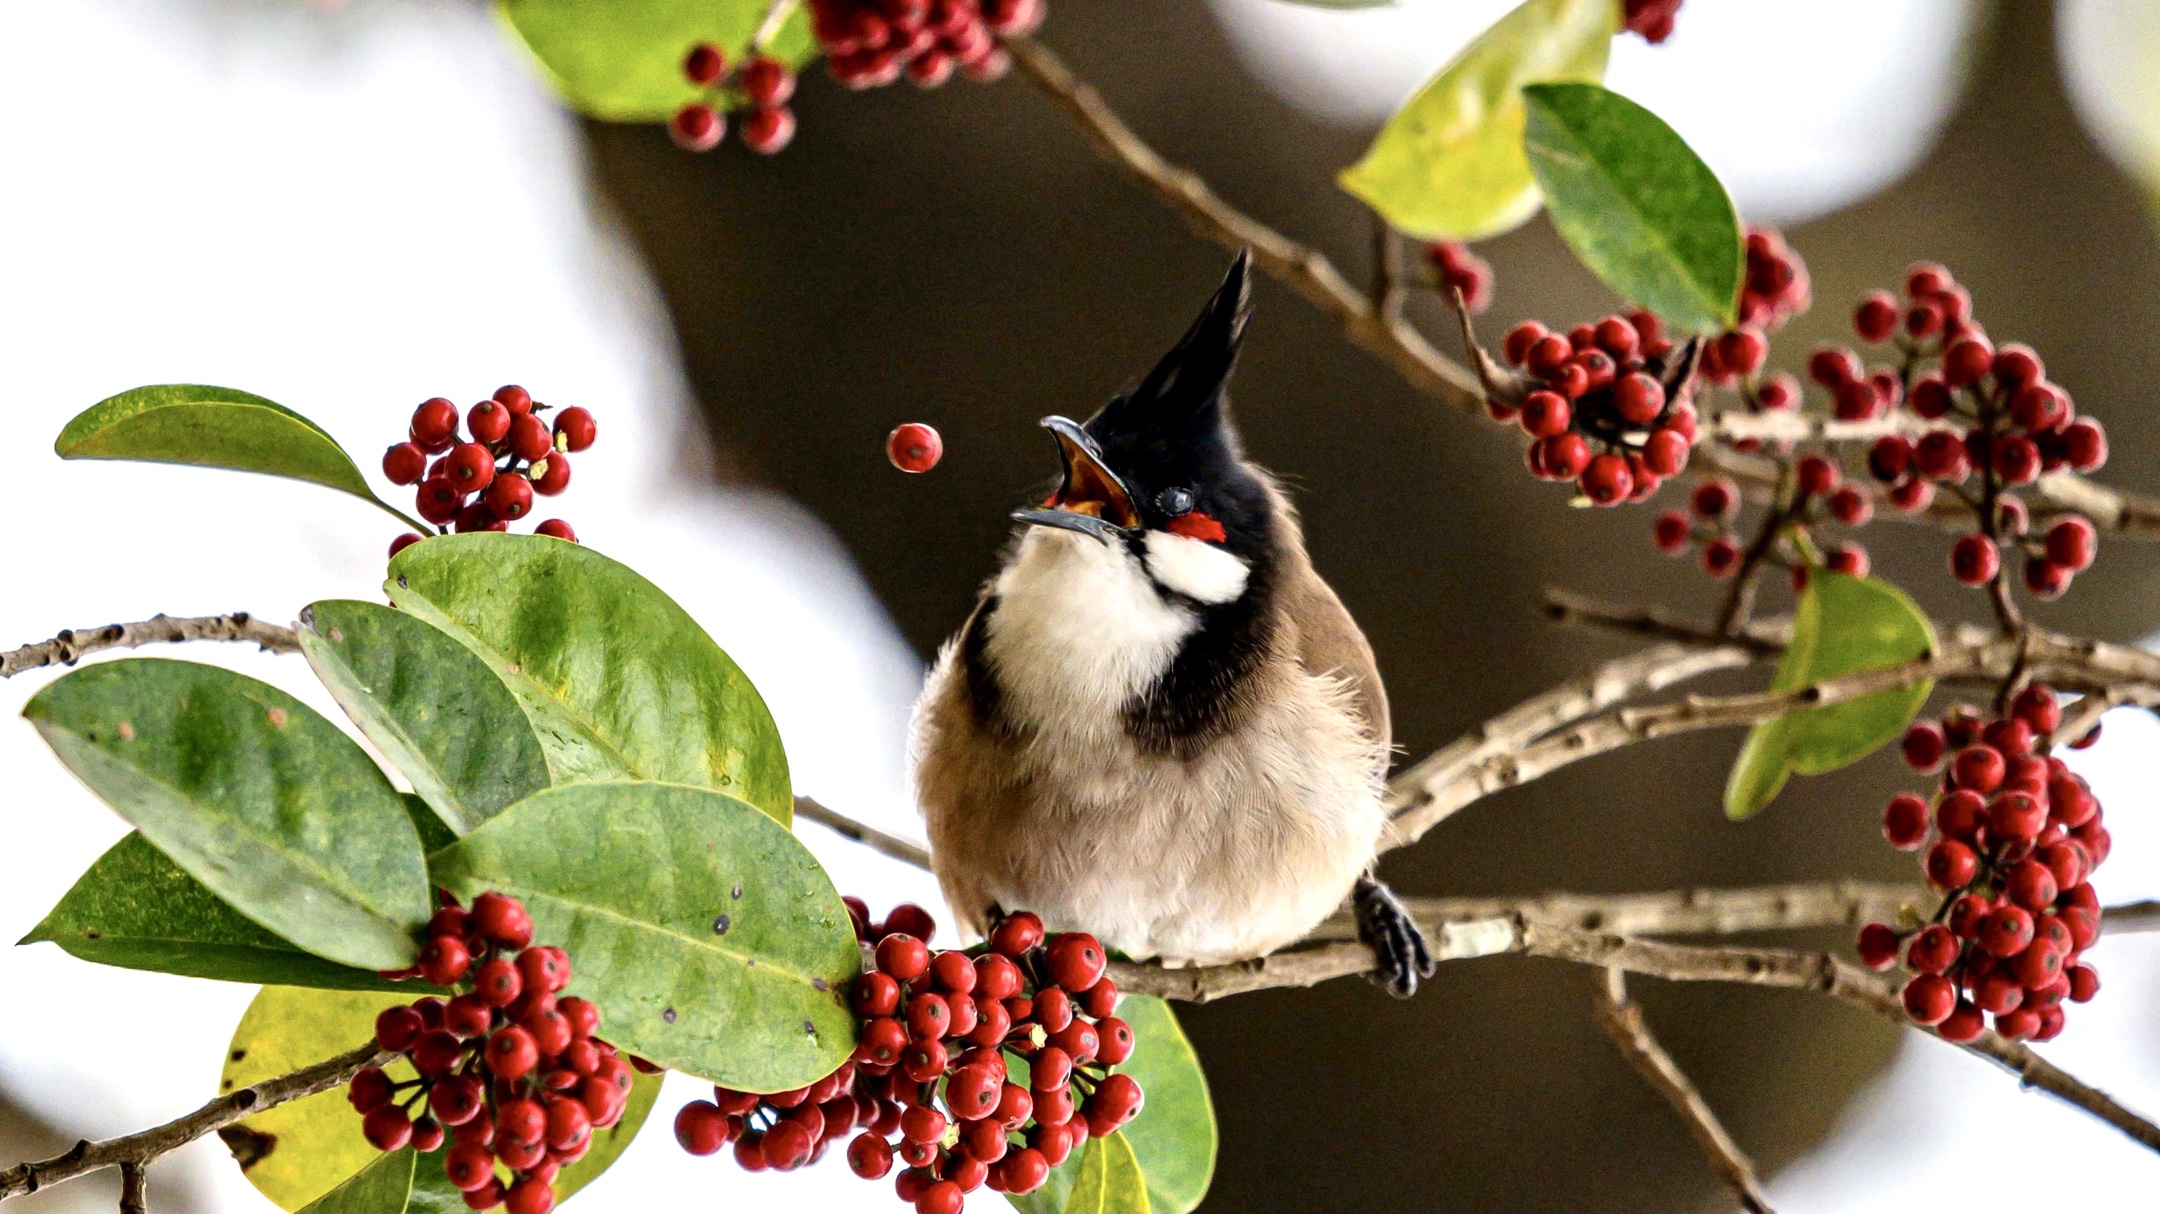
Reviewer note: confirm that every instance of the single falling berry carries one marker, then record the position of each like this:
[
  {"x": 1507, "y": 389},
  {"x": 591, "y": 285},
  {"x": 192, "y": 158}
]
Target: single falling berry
[{"x": 914, "y": 447}]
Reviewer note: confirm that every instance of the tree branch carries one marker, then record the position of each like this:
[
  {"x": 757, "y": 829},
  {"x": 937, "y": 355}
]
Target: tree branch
[
  {"x": 869, "y": 836},
  {"x": 71, "y": 645},
  {"x": 1310, "y": 965},
  {"x": 1679, "y": 912},
  {"x": 134, "y": 1189},
  {"x": 1623, "y": 1022},
  {"x": 136, "y": 1150}
]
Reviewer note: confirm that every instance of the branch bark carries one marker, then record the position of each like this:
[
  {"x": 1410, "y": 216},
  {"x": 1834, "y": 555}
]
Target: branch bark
[
  {"x": 132, "y": 1152},
  {"x": 869, "y": 836},
  {"x": 72, "y": 645},
  {"x": 1623, "y": 1021},
  {"x": 1792, "y": 970}
]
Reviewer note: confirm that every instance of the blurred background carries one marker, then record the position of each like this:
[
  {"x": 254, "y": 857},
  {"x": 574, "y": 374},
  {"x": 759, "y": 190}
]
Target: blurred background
[{"x": 351, "y": 208}]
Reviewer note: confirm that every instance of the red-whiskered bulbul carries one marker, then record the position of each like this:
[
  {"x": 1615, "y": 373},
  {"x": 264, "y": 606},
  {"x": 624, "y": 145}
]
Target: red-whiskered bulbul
[{"x": 1159, "y": 725}]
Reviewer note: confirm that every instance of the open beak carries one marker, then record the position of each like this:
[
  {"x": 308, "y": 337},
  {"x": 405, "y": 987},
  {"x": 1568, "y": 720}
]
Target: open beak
[{"x": 1092, "y": 500}]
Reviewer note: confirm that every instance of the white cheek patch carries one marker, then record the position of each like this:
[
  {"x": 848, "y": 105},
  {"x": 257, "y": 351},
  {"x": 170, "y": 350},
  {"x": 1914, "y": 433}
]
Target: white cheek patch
[
  {"x": 1195, "y": 568},
  {"x": 1078, "y": 631}
]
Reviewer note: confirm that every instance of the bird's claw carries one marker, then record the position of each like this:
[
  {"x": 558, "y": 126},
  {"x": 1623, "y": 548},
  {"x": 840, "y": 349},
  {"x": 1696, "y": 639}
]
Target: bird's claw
[{"x": 1397, "y": 943}]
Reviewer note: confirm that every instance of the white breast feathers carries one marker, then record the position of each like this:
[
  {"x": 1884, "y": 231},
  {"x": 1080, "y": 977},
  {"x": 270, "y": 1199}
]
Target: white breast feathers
[{"x": 1078, "y": 631}]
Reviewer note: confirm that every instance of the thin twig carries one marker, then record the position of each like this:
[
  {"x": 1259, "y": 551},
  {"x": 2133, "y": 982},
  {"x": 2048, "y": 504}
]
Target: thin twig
[
  {"x": 1678, "y": 912},
  {"x": 1300, "y": 267},
  {"x": 776, "y": 16},
  {"x": 1623, "y": 1022},
  {"x": 71, "y": 645},
  {"x": 142, "y": 1147},
  {"x": 134, "y": 1189},
  {"x": 869, "y": 836},
  {"x": 1740, "y": 599}
]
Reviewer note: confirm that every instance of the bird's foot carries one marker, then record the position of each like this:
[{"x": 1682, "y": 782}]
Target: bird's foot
[{"x": 1397, "y": 944}]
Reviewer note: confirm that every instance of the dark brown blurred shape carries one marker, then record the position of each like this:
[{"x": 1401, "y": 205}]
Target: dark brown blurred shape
[{"x": 963, "y": 258}]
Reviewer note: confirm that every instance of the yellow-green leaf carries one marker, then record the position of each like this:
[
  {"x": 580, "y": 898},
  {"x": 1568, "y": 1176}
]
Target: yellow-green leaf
[
  {"x": 1844, "y": 624},
  {"x": 622, "y": 60},
  {"x": 1450, "y": 165},
  {"x": 382, "y": 1187},
  {"x": 1110, "y": 1180},
  {"x": 213, "y": 428}
]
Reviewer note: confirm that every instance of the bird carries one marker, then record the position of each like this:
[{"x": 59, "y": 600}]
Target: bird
[{"x": 1159, "y": 725}]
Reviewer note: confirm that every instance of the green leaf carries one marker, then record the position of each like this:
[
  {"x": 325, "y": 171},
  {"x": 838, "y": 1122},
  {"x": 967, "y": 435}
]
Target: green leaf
[
  {"x": 622, "y": 60},
  {"x": 254, "y": 794},
  {"x": 1174, "y": 1138},
  {"x": 619, "y": 682},
  {"x": 430, "y": 704},
  {"x": 1109, "y": 1179},
  {"x": 1843, "y": 624},
  {"x": 708, "y": 935},
  {"x": 1450, "y": 165},
  {"x": 313, "y": 1144},
  {"x": 212, "y": 428},
  {"x": 1636, "y": 203},
  {"x": 137, "y": 909},
  {"x": 382, "y": 1187},
  {"x": 316, "y": 1153}
]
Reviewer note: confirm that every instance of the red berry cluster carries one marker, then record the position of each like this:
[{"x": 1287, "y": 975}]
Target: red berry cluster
[
  {"x": 758, "y": 92},
  {"x": 869, "y": 43},
  {"x": 2017, "y": 838},
  {"x": 950, "y": 1018},
  {"x": 1653, "y": 19},
  {"x": 1819, "y": 496},
  {"x": 1773, "y": 290},
  {"x": 1606, "y": 408},
  {"x": 1455, "y": 268},
  {"x": 487, "y": 483},
  {"x": 512, "y": 1070},
  {"x": 2008, "y": 423}
]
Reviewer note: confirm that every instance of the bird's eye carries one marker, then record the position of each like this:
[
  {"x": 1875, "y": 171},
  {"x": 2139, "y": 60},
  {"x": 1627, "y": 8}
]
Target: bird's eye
[{"x": 1174, "y": 502}]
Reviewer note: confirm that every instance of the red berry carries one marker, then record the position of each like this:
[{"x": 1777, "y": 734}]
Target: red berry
[
  {"x": 1960, "y": 816},
  {"x": 1932, "y": 951},
  {"x": 510, "y": 496},
  {"x": 1116, "y": 1041},
  {"x": 881, "y": 1041},
  {"x": 2084, "y": 983},
  {"x": 1076, "y": 960},
  {"x": 1931, "y": 398},
  {"x": 1830, "y": 367},
  {"x": 551, "y": 475},
  {"x": 928, "y": 1017},
  {"x": 401, "y": 543},
  {"x": 531, "y": 1195},
  {"x": 1851, "y": 507},
  {"x": 1877, "y": 316},
  {"x": 924, "y": 1061},
  {"x": 1951, "y": 864},
  {"x": 1889, "y": 457},
  {"x": 1964, "y": 1023},
  {"x": 1966, "y": 361},
  {"x": 1116, "y": 1101},
  {"x": 1974, "y": 560},
  {"x": 902, "y": 956},
  {"x": 437, "y": 1052},
  {"x": 1905, "y": 822},
  {"x": 1547, "y": 355},
  {"x": 456, "y": 1099},
  {"x": 1878, "y": 946},
  {"x": 512, "y": 1053},
  {"x": 468, "y": 1016},
  {"x": 1923, "y": 745},
  {"x": 575, "y": 429},
  {"x": 1607, "y": 480},
  {"x": 386, "y": 1127},
  {"x": 2007, "y": 931},
  {"x": 502, "y": 920},
  {"x": 2072, "y": 543},
  {"x": 2031, "y": 885},
  {"x": 1079, "y": 1039},
  {"x": 1014, "y": 935},
  {"x": 875, "y": 994},
  {"x": 1640, "y": 398},
  {"x": 369, "y": 1090},
  {"x": 2017, "y": 460},
  {"x": 940, "y": 1197},
  {"x": 1929, "y": 998},
  {"x": 2037, "y": 407},
  {"x": 1672, "y": 533},
  {"x": 470, "y": 1165},
  {"x": 2045, "y": 579},
  {"x": 1545, "y": 414},
  {"x": 1721, "y": 557},
  {"x": 1978, "y": 768},
  {"x": 397, "y": 1028},
  {"x": 914, "y": 447},
  {"x": 770, "y": 128},
  {"x": 697, "y": 128},
  {"x": 2039, "y": 965},
  {"x": 1565, "y": 455},
  {"x": 434, "y": 425},
  {"x": 1940, "y": 455},
  {"x": 2084, "y": 444},
  {"x": 1816, "y": 475},
  {"x": 556, "y": 528},
  {"x": 404, "y": 464},
  {"x": 1515, "y": 347}
]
